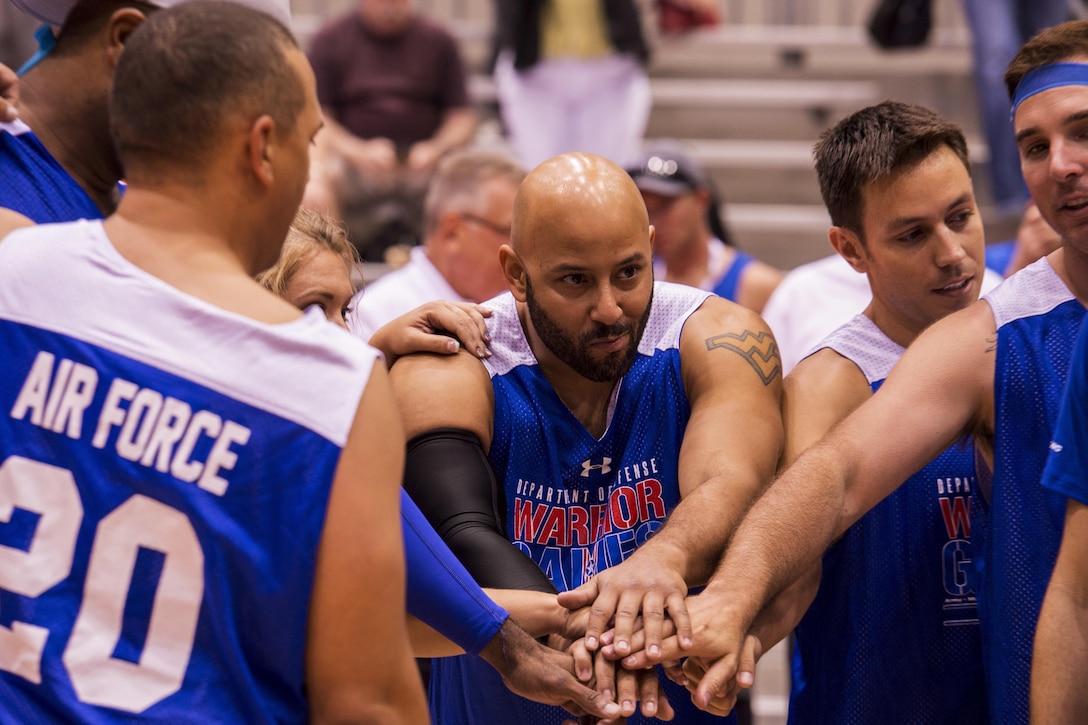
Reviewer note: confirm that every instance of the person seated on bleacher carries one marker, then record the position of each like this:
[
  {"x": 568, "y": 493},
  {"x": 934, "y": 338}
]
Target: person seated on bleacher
[
  {"x": 692, "y": 245},
  {"x": 393, "y": 90}
]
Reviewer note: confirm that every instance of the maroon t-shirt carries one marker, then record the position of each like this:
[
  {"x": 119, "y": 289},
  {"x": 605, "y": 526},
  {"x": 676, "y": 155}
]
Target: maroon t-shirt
[{"x": 398, "y": 88}]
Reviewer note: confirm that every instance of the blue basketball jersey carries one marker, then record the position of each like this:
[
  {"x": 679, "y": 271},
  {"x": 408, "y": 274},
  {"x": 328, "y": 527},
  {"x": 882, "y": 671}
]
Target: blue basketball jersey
[
  {"x": 34, "y": 184},
  {"x": 576, "y": 504},
  {"x": 1037, "y": 324},
  {"x": 1067, "y": 464},
  {"x": 727, "y": 286},
  {"x": 165, "y": 467},
  {"x": 893, "y": 633}
]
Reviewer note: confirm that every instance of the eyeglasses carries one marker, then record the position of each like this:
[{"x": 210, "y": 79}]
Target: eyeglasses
[
  {"x": 665, "y": 168},
  {"x": 487, "y": 224}
]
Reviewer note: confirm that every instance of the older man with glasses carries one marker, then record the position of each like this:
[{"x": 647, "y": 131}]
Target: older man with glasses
[{"x": 466, "y": 219}]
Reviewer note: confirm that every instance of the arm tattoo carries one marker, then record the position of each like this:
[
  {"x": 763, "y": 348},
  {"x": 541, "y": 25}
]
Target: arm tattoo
[{"x": 758, "y": 348}]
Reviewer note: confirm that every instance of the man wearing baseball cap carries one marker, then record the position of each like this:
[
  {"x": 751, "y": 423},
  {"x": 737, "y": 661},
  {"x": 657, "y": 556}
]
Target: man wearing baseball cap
[
  {"x": 57, "y": 161},
  {"x": 692, "y": 245}
]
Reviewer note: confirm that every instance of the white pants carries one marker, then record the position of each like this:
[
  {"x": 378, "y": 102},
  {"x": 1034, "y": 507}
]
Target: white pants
[{"x": 600, "y": 105}]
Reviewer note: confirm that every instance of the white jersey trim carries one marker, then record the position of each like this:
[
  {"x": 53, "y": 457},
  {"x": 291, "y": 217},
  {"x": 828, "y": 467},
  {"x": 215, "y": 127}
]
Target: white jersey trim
[
  {"x": 863, "y": 343},
  {"x": 1034, "y": 290},
  {"x": 15, "y": 128},
  {"x": 673, "y": 304},
  {"x": 307, "y": 371}
]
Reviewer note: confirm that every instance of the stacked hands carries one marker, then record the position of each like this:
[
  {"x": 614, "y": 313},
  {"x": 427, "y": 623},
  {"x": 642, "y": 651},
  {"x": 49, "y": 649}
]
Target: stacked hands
[{"x": 621, "y": 624}]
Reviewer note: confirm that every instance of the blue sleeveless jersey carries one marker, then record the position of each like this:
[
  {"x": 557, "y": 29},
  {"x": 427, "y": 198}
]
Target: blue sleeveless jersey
[
  {"x": 893, "y": 633},
  {"x": 727, "y": 285},
  {"x": 165, "y": 467},
  {"x": 575, "y": 504},
  {"x": 1037, "y": 324},
  {"x": 34, "y": 184},
  {"x": 1067, "y": 464}
]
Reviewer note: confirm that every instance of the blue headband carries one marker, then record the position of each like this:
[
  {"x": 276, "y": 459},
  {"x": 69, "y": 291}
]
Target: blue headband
[{"x": 1046, "y": 77}]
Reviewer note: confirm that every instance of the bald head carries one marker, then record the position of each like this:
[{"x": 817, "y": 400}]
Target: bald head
[{"x": 576, "y": 198}]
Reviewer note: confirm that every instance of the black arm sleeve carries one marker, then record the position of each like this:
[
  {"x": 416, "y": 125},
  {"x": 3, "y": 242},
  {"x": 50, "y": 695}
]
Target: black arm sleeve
[{"x": 448, "y": 476}]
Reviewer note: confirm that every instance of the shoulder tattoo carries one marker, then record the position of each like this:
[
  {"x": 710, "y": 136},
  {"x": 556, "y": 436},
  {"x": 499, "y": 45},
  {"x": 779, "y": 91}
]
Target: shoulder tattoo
[{"x": 758, "y": 348}]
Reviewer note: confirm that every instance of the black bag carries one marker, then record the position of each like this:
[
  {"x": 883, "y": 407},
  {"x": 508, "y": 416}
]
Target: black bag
[{"x": 901, "y": 23}]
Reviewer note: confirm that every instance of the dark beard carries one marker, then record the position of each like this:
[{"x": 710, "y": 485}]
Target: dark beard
[{"x": 574, "y": 352}]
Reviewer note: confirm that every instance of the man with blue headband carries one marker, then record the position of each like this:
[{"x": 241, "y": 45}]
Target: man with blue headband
[
  {"x": 994, "y": 371},
  {"x": 1051, "y": 119}
]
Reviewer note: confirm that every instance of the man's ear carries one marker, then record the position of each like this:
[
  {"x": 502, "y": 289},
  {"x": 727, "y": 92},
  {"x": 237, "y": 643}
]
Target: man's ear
[
  {"x": 120, "y": 26},
  {"x": 514, "y": 271},
  {"x": 849, "y": 247},
  {"x": 653, "y": 237},
  {"x": 261, "y": 147}
]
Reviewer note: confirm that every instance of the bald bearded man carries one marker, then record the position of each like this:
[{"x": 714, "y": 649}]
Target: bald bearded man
[{"x": 609, "y": 404}]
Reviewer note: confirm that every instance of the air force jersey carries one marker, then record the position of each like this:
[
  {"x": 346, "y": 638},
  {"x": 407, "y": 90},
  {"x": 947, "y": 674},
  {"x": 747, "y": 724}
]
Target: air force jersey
[
  {"x": 165, "y": 467},
  {"x": 893, "y": 633},
  {"x": 34, "y": 183},
  {"x": 1038, "y": 319},
  {"x": 574, "y": 504}
]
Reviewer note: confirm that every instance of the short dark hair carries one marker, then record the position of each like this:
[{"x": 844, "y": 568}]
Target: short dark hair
[
  {"x": 872, "y": 144},
  {"x": 188, "y": 69},
  {"x": 1050, "y": 45},
  {"x": 88, "y": 18}
]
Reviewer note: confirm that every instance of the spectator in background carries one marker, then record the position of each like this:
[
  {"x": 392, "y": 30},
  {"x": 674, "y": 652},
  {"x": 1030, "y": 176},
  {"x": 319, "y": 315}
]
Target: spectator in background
[
  {"x": 570, "y": 77},
  {"x": 392, "y": 87},
  {"x": 999, "y": 28},
  {"x": 466, "y": 219},
  {"x": 683, "y": 208}
]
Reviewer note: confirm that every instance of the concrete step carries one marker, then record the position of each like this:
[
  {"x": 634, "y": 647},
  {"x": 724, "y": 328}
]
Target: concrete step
[
  {"x": 737, "y": 108},
  {"x": 783, "y": 235},
  {"x": 832, "y": 51},
  {"x": 752, "y": 170}
]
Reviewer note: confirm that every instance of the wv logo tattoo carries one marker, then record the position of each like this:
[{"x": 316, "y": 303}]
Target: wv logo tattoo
[
  {"x": 604, "y": 466},
  {"x": 758, "y": 348}
]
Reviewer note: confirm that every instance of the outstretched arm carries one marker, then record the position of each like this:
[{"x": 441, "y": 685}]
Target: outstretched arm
[
  {"x": 440, "y": 593},
  {"x": 424, "y": 330},
  {"x": 941, "y": 390},
  {"x": 1059, "y": 666},
  {"x": 732, "y": 376},
  {"x": 448, "y": 408}
]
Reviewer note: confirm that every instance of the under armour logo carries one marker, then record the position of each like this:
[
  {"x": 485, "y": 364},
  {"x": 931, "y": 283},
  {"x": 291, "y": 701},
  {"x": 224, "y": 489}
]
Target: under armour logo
[
  {"x": 1054, "y": 446},
  {"x": 603, "y": 467}
]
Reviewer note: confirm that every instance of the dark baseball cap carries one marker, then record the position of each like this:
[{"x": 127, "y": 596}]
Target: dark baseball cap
[{"x": 667, "y": 169}]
